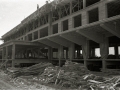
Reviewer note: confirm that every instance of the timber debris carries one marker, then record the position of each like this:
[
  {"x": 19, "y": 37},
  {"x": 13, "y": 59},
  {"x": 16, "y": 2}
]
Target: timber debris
[{"x": 71, "y": 76}]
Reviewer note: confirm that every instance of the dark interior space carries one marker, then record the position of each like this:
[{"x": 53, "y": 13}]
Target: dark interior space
[
  {"x": 36, "y": 35},
  {"x": 90, "y": 2},
  {"x": 93, "y": 15},
  {"x": 65, "y": 25},
  {"x": 55, "y": 28},
  {"x": 44, "y": 32},
  {"x": 77, "y": 21},
  {"x": 30, "y": 37},
  {"x": 113, "y": 8}
]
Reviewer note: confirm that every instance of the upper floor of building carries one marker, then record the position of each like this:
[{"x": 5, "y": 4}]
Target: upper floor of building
[{"x": 62, "y": 16}]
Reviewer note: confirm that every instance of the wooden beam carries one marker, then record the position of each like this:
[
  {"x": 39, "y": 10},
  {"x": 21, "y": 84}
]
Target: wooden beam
[
  {"x": 74, "y": 37},
  {"x": 49, "y": 43},
  {"x": 111, "y": 28},
  {"x": 97, "y": 37},
  {"x": 60, "y": 40}
]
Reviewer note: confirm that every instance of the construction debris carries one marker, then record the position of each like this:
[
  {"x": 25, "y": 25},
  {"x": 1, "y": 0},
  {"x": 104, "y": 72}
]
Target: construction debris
[
  {"x": 71, "y": 76},
  {"x": 32, "y": 70}
]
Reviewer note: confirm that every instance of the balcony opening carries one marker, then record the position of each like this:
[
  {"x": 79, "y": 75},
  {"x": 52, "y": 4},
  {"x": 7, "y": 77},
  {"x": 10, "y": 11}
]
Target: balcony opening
[
  {"x": 44, "y": 32},
  {"x": 93, "y": 15},
  {"x": 113, "y": 8},
  {"x": 55, "y": 28},
  {"x": 65, "y": 25},
  {"x": 36, "y": 35},
  {"x": 90, "y": 2},
  {"x": 77, "y": 21},
  {"x": 30, "y": 37}
]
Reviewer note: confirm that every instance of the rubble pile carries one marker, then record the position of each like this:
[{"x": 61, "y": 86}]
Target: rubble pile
[
  {"x": 32, "y": 70},
  {"x": 72, "y": 75}
]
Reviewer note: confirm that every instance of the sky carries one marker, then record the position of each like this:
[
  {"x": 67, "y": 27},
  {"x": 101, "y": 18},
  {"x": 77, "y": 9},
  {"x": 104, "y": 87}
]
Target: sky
[{"x": 12, "y": 12}]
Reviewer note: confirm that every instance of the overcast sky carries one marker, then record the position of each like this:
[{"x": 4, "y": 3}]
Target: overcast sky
[{"x": 12, "y": 12}]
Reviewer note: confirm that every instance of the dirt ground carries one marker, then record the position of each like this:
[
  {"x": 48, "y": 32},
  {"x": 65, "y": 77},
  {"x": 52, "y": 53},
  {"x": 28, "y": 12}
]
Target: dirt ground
[{"x": 6, "y": 83}]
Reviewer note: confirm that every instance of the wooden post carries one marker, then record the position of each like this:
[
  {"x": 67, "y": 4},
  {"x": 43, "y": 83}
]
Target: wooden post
[{"x": 13, "y": 54}]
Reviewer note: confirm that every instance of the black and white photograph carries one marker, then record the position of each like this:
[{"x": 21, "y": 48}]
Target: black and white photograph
[{"x": 59, "y": 44}]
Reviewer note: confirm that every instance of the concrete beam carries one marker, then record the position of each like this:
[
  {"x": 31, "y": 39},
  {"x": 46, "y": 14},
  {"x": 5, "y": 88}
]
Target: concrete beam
[
  {"x": 97, "y": 37},
  {"x": 49, "y": 43},
  {"x": 60, "y": 40},
  {"x": 74, "y": 37},
  {"x": 111, "y": 28}
]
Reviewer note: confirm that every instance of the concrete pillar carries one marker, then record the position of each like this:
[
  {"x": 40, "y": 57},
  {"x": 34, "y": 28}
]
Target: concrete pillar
[
  {"x": 50, "y": 53},
  {"x": 13, "y": 54},
  {"x": 70, "y": 23},
  {"x": 60, "y": 27},
  {"x": 50, "y": 24},
  {"x": 102, "y": 11},
  {"x": 60, "y": 54},
  {"x": 71, "y": 7},
  {"x": 84, "y": 18},
  {"x": 116, "y": 50},
  {"x": 71, "y": 51},
  {"x": 85, "y": 51},
  {"x": 3, "y": 52},
  {"x": 104, "y": 51},
  {"x": 33, "y": 36},
  {"x": 84, "y": 4},
  {"x": 6, "y": 56},
  {"x": 38, "y": 34},
  {"x": 6, "y": 52}
]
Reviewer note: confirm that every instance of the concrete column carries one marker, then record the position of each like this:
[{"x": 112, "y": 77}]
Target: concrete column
[
  {"x": 70, "y": 23},
  {"x": 38, "y": 34},
  {"x": 60, "y": 27},
  {"x": 50, "y": 53},
  {"x": 50, "y": 24},
  {"x": 33, "y": 36},
  {"x": 116, "y": 50},
  {"x": 84, "y": 3},
  {"x": 84, "y": 18},
  {"x": 104, "y": 51},
  {"x": 102, "y": 11},
  {"x": 13, "y": 54},
  {"x": 6, "y": 56},
  {"x": 71, "y": 7},
  {"x": 71, "y": 51},
  {"x": 85, "y": 49},
  {"x": 60, "y": 54},
  {"x": 3, "y": 52}
]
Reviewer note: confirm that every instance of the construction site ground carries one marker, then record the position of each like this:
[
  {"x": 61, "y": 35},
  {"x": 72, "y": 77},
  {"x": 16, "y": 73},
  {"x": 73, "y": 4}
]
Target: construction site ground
[
  {"x": 6, "y": 83},
  {"x": 71, "y": 76}
]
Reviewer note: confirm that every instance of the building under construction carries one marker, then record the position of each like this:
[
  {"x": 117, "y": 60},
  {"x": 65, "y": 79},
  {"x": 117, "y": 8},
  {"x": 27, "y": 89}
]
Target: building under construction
[{"x": 62, "y": 30}]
